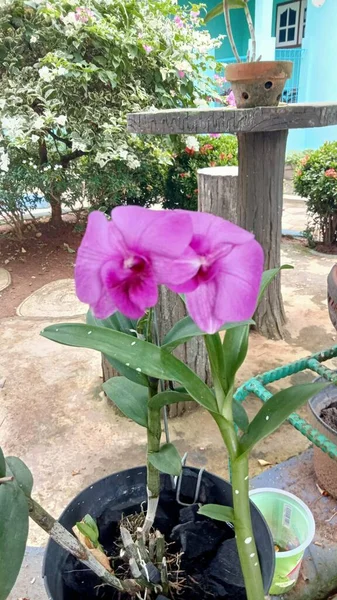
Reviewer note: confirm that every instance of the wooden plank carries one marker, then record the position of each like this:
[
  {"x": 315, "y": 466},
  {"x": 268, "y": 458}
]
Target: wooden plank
[{"x": 233, "y": 120}]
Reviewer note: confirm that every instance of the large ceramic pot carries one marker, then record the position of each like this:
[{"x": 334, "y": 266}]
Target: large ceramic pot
[
  {"x": 325, "y": 467},
  {"x": 258, "y": 83},
  {"x": 124, "y": 493}
]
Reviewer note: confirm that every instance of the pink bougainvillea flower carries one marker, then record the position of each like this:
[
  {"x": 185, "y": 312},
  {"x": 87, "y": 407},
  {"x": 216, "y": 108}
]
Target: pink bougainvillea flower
[
  {"x": 331, "y": 173},
  {"x": 230, "y": 265},
  {"x": 178, "y": 21},
  {"x": 215, "y": 135},
  {"x": 231, "y": 99},
  {"x": 181, "y": 74},
  {"x": 83, "y": 14},
  {"x": 121, "y": 262},
  {"x": 147, "y": 48}
]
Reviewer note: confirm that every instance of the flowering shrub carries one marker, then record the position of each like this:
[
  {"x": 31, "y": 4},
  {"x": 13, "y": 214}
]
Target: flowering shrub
[
  {"x": 71, "y": 71},
  {"x": 316, "y": 179},
  {"x": 196, "y": 152}
]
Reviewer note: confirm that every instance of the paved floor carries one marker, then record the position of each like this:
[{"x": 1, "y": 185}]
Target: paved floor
[{"x": 294, "y": 218}]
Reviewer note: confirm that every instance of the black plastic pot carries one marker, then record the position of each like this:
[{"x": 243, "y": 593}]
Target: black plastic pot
[
  {"x": 325, "y": 467},
  {"x": 122, "y": 492}
]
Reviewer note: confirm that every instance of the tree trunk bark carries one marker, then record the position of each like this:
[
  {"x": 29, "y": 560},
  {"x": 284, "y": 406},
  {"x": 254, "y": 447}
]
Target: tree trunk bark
[
  {"x": 56, "y": 212},
  {"x": 260, "y": 200},
  {"x": 218, "y": 192},
  {"x": 170, "y": 310}
]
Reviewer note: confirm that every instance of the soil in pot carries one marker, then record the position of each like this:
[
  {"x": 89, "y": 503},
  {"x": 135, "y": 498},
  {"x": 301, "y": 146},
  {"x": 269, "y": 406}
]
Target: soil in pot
[
  {"x": 329, "y": 415},
  {"x": 202, "y": 553}
]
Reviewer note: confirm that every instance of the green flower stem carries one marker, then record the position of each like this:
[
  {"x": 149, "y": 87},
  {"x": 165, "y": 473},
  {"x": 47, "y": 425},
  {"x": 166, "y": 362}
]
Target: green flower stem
[
  {"x": 243, "y": 523},
  {"x": 153, "y": 445}
]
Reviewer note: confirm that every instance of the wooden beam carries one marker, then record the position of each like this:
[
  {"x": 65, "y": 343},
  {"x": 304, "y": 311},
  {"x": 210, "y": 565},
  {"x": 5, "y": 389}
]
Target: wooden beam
[{"x": 234, "y": 120}]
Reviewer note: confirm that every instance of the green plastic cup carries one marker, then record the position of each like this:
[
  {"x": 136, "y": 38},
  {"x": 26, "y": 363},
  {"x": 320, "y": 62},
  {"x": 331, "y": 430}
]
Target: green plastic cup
[{"x": 292, "y": 526}]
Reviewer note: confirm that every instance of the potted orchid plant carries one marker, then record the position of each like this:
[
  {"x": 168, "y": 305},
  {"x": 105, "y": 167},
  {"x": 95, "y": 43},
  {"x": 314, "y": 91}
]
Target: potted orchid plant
[
  {"x": 255, "y": 82},
  {"x": 165, "y": 531}
]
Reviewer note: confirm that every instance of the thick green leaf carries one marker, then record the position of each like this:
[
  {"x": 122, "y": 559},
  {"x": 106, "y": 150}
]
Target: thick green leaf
[
  {"x": 86, "y": 530},
  {"x": 235, "y": 347},
  {"x": 218, "y": 512},
  {"x": 167, "y": 460},
  {"x": 276, "y": 410},
  {"x": 240, "y": 416},
  {"x": 146, "y": 357},
  {"x": 129, "y": 397},
  {"x": 169, "y": 397},
  {"x": 13, "y": 535},
  {"x": 23, "y": 476},
  {"x": 2, "y": 464},
  {"x": 268, "y": 277},
  {"x": 92, "y": 523},
  {"x": 218, "y": 9},
  {"x": 186, "y": 329},
  {"x": 118, "y": 322}
]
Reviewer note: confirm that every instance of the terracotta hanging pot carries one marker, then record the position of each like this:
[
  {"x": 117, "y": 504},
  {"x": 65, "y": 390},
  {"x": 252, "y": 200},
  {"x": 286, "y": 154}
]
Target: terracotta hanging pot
[{"x": 258, "y": 83}]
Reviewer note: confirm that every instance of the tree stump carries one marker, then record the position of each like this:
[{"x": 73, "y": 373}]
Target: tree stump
[
  {"x": 170, "y": 310},
  {"x": 218, "y": 192}
]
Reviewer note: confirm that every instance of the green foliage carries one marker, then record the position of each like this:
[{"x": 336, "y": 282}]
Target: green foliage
[
  {"x": 13, "y": 521},
  {"x": 181, "y": 184},
  {"x": 293, "y": 158},
  {"x": 166, "y": 460},
  {"x": 88, "y": 528},
  {"x": 218, "y": 9},
  {"x": 69, "y": 75},
  {"x": 131, "y": 398},
  {"x": 142, "y": 356},
  {"x": 217, "y": 512},
  {"x": 275, "y": 411},
  {"x": 316, "y": 179}
]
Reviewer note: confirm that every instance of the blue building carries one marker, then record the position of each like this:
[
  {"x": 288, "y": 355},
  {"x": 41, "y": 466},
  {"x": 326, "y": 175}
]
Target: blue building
[{"x": 304, "y": 31}]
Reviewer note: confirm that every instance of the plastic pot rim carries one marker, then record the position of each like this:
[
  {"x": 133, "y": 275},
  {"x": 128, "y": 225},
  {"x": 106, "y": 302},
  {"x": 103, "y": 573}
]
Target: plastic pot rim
[{"x": 311, "y": 521}]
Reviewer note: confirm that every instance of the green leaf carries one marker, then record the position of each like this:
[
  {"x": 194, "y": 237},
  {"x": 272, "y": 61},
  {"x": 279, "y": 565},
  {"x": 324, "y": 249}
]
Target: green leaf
[
  {"x": 276, "y": 410},
  {"x": 185, "y": 329},
  {"x": 92, "y": 523},
  {"x": 268, "y": 277},
  {"x": 118, "y": 322},
  {"x": 235, "y": 347},
  {"x": 86, "y": 530},
  {"x": 169, "y": 397},
  {"x": 22, "y": 474},
  {"x": 13, "y": 535},
  {"x": 240, "y": 416},
  {"x": 218, "y": 9},
  {"x": 129, "y": 397},
  {"x": 167, "y": 460},
  {"x": 217, "y": 512},
  {"x": 2, "y": 464},
  {"x": 150, "y": 359}
]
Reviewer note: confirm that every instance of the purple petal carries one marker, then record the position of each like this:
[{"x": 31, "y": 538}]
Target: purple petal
[
  {"x": 238, "y": 282},
  {"x": 218, "y": 230},
  {"x": 144, "y": 293},
  {"x": 167, "y": 233},
  {"x": 121, "y": 297},
  {"x": 105, "y": 306},
  {"x": 200, "y": 305},
  {"x": 173, "y": 272},
  {"x": 98, "y": 245}
]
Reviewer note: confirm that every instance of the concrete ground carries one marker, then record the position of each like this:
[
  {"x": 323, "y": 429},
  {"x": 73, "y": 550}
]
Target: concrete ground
[{"x": 54, "y": 416}]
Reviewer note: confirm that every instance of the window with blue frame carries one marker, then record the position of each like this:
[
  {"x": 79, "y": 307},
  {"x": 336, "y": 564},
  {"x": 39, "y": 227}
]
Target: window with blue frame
[{"x": 290, "y": 23}]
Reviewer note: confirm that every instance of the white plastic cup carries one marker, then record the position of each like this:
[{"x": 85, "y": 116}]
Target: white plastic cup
[{"x": 293, "y": 528}]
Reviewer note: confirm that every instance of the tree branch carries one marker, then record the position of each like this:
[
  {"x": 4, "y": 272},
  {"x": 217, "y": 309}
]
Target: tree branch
[
  {"x": 43, "y": 153},
  {"x": 67, "y": 158},
  {"x": 56, "y": 137}
]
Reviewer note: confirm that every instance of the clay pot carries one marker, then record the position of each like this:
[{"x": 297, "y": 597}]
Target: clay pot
[
  {"x": 325, "y": 467},
  {"x": 258, "y": 83}
]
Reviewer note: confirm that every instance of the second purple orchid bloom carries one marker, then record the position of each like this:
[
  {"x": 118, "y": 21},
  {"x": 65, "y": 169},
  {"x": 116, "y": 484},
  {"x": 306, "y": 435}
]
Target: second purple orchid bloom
[{"x": 216, "y": 264}]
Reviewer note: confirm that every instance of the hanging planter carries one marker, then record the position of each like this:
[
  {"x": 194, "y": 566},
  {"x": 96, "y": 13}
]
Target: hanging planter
[
  {"x": 323, "y": 418},
  {"x": 258, "y": 83},
  {"x": 210, "y": 560}
]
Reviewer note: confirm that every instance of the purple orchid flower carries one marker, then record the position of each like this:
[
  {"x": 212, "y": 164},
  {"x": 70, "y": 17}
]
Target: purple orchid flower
[
  {"x": 121, "y": 262},
  {"x": 225, "y": 287}
]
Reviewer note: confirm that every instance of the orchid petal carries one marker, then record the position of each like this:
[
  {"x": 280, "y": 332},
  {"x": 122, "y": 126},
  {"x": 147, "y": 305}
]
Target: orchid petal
[
  {"x": 162, "y": 232},
  {"x": 200, "y": 306},
  {"x": 143, "y": 293},
  {"x": 124, "y": 304},
  {"x": 217, "y": 230}
]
